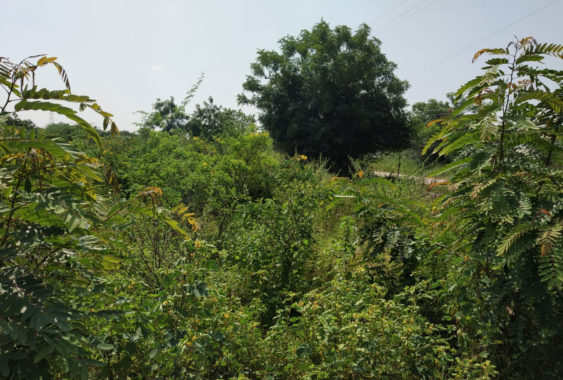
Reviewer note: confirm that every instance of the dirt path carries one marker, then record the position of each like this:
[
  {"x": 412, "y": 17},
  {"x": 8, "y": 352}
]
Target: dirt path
[{"x": 427, "y": 180}]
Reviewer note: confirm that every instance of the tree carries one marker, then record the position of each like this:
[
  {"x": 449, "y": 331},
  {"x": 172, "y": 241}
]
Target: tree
[
  {"x": 65, "y": 132},
  {"x": 211, "y": 120},
  {"x": 506, "y": 205},
  {"x": 15, "y": 121},
  {"x": 167, "y": 116},
  {"x": 421, "y": 114},
  {"x": 330, "y": 93},
  {"x": 425, "y": 112}
]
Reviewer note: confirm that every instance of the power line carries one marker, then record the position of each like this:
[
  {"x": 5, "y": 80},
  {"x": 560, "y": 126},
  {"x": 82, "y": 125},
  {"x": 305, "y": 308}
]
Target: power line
[
  {"x": 387, "y": 12},
  {"x": 480, "y": 40},
  {"x": 396, "y": 17},
  {"x": 405, "y": 16}
]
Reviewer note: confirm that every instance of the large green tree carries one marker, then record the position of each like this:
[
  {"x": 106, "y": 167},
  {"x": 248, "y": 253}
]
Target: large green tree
[{"x": 329, "y": 92}]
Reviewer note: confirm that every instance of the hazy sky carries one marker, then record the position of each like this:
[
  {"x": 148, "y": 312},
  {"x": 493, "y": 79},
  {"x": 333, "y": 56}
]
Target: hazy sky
[{"x": 126, "y": 54}]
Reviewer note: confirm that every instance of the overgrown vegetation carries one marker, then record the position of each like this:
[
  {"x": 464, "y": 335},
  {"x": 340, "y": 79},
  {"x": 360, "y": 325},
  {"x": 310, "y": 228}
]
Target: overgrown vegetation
[{"x": 193, "y": 249}]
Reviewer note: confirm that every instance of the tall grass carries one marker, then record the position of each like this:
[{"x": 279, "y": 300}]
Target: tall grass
[{"x": 404, "y": 162}]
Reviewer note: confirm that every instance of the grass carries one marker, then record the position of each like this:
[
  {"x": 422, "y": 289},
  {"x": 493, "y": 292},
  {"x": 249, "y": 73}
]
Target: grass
[{"x": 406, "y": 162}]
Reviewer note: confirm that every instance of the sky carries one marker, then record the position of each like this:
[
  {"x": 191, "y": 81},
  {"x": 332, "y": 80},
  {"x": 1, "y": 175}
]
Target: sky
[{"x": 126, "y": 54}]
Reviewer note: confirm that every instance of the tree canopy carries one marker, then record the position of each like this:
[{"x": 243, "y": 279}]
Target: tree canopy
[
  {"x": 166, "y": 115},
  {"x": 329, "y": 92},
  {"x": 206, "y": 121},
  {"x": 210, "y": 120},
  {"x": 423, "y": 113}
]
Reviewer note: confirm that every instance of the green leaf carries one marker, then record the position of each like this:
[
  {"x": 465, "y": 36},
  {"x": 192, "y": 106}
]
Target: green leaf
[
  {"x": 93, "y": 363},
  {"x": 153, "y": 353},
  {"x": 303, "y": 351},
  {"x": 4, "y": 369},
  {"x": 131, "y": 348},
  {"x": 105, "y": 346},
  {"x": 110, "y": 262},
  {"x": 461, "y": 142},
  {"x": 452, "y": 165},
  {"x": 515, "y": 234},
  {"x": 124, "y": 363},
  {"x": 469, "y": 85},
  {"x": 24, "y": 105},
  {"x": 176, "y": 227},
  {"x": 529, "y": 58},
  {"x": 42, "y": 353},
  {"x": 497, "y": 61},
  {"x": 551, "y": 99}
]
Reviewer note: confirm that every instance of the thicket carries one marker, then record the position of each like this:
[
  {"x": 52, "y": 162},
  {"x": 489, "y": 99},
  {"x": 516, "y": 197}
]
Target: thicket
[{"x": 168, "y": 255}]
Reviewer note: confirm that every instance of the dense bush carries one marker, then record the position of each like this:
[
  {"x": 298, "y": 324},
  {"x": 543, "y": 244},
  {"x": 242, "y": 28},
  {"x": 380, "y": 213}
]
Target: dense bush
[{"x": 173, "y": 256}]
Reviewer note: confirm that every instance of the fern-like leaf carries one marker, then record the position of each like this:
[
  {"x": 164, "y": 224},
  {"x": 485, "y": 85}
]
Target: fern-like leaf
[
  {"x": 515, "y": 234},
  {"x": 551, "y": 269},
  {"x": 496, "y": 51},
  {"x": 555, "y": 50},
  {"x": 551, "y": 99},
  {"x": 548, "y": 238}
]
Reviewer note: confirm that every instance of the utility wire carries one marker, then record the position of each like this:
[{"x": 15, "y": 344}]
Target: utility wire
[
  {"x": 387, "y": 12},
  {"x": 404, "y": 16},
  {"x": 480, "y": 40},
  {"x": 414, "y": 6}
]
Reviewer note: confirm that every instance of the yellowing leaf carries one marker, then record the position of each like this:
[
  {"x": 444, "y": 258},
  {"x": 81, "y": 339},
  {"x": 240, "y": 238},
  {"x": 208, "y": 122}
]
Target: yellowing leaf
[
  {"x": 490, "y": 51},
  {"x": 430, "y": 123},
  {"x": 545, "y": 248}
]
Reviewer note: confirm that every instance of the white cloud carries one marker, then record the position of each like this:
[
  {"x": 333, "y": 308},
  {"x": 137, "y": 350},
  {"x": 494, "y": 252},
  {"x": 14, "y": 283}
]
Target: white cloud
[{"x": 157, "y": 68}]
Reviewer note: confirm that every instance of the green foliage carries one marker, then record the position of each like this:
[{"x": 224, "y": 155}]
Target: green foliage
[
  {"x": 348, "y": 329},
  {"x": 65, "y": 132},
  {"x": 506, "y": 207},
  {"x": 272, "y": 242},
  {"x": 329, "y": 93},
  {"x": 206, "y": 121},
  {"x": 56, "y": 210},
  {"x": 212, "y": 177},
  {"x": 51, "y": 204},
  {"x": 389, "y": 217},
  {"x": 421, "y": 115},
  {"x": 15, "y": 121},
  {"x": 211, "y": 120},
  {"x": 48, "y": 205},
  {"x": 267, "y": 266},
  {"x": 167, "y": 116},
  {"x": 425, "y": 112}
]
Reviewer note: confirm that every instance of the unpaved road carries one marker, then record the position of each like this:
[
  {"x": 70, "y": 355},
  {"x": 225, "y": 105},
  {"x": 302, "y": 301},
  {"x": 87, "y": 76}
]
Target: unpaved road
[{"x": 427, "y": 180}]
